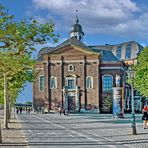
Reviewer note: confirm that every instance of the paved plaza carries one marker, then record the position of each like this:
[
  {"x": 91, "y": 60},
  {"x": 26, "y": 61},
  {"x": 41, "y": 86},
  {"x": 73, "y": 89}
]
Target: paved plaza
[
  {"x": 14, "y": 136},
  {"x": 82, "y": 131}
]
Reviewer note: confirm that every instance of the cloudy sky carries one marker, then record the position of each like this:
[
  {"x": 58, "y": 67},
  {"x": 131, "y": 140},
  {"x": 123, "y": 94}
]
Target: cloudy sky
[{"x": 103, "y": 21}]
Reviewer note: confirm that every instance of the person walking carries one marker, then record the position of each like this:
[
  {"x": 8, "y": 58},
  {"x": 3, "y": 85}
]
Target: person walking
[
  {"x": 17, "y": 110},
  {"x": 60, "y": 110},
  {"x": 66, "y": 112},
  {"x": 145, "y": 117}
]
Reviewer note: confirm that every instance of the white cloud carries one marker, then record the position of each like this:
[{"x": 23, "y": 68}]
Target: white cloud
[
  {"x": 97, "y": 16},
  {"x": 94, "y": 8}
]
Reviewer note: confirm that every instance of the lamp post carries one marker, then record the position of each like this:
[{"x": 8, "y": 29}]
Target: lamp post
[{"x": 133, "y": 123}]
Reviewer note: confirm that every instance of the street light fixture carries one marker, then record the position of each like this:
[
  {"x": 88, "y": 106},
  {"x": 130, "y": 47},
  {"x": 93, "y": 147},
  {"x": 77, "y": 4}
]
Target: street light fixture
[{"x": 133, "y": 123}]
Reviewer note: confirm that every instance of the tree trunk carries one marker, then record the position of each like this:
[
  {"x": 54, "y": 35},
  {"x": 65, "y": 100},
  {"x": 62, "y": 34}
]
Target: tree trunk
[
  {"x": 6, "y": 105},
  {"x": 0, "y": 133},
  {"x": 9, "y": 111},
  {"x": 14, "y": 108}
]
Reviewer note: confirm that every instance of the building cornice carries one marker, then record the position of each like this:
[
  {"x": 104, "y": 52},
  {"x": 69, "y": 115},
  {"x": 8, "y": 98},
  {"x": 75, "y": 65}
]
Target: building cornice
[
  {"x": 73, "y": 61},
  {"x": 112, "y": 68}
]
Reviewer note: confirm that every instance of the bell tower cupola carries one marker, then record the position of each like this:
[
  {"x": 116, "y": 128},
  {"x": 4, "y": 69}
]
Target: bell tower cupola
[{"x": 76, "y": 29}]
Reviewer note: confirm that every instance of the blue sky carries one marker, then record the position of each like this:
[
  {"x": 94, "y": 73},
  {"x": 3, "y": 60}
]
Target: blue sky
[{"x": 103, "y": 21}]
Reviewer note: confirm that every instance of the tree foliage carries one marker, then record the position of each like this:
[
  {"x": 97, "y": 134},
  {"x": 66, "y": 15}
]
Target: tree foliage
[
  {"x": 20, "y": 37},
  {"x": 17, "y": 41},
  {"x": 141, "y": 73}
]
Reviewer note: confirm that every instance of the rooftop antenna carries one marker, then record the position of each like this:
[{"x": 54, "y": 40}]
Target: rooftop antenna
[{"x": 77, "y": 20}]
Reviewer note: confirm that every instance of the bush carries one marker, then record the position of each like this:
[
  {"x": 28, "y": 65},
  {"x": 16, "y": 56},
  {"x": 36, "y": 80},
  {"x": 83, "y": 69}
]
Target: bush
[{"x": 107, "y": 102}]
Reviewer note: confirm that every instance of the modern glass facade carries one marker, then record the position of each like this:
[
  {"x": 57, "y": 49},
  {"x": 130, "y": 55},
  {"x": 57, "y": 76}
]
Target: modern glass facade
[
  {"x": 128, "y": 52},
  {"x": 118, "y": 52}
]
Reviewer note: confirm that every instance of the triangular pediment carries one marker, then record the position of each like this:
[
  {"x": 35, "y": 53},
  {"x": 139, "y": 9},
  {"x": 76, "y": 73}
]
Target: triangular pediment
[
  {"x": 72, "y": 46},
  {"x": 71, "y": 49}
]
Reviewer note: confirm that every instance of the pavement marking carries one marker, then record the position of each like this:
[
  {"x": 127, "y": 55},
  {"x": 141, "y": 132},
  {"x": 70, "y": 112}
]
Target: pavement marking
[{"x": 78, "y": 133}]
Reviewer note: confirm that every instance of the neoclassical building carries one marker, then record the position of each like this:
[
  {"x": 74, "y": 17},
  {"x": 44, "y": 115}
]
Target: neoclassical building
[{"x": 79, "y": 77}]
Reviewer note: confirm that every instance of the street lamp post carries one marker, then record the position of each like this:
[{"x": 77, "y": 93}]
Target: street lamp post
[{"x": 133, "y": 123}]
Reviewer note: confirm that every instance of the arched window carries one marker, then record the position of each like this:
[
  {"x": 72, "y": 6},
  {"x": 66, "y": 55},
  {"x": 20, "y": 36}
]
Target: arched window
[
  {"x": 41, "y": 83},
  {"x": 71, "y": 67},
  {"x": 107, "y": 83},
  {"x": 118, "y": 52},
  {"x": 53, "y": 82},
  {"x": 89, "y": 82},
  {"x": 128, "y": 52}
]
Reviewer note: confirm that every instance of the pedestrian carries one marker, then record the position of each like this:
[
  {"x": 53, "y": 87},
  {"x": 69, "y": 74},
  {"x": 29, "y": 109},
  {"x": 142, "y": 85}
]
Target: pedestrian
[
  {"x": 63, "y": 110},
  {"x": 26, "y": 110},
  {"x": 21, "y": 109},
  {"x": 60, "y": 110},
  {"x": 42, "y": 108},
  {"x": 145, "y": 117},
  {"x": 66, "y": 112},
  {"x": 38, "y": 109},
  {"x": 17, "y": 110},
  {"x": 29, "y": 110}
]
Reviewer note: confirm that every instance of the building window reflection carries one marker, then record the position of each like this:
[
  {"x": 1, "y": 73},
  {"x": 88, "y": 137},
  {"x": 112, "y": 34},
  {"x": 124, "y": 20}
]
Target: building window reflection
[
  {"x": 53, "y": 82},
  {"x": 71, "y": 83},
  {"x": 128, "y": 52},
  {"x": 89, "y": 82},
  {"x": 41, "y": 83},
  {"x": 107, "y": 83},
  {"x": 118, "y": 52}
]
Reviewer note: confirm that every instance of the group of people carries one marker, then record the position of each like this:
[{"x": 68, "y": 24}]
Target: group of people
[
  {"x": 64, "y": 111},
  {"x": 145, "y": 117},
  {"x": 20, "y": 110}
]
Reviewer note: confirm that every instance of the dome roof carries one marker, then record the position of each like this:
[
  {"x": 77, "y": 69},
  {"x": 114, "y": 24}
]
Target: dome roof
[{"x": 76, "y": 28}]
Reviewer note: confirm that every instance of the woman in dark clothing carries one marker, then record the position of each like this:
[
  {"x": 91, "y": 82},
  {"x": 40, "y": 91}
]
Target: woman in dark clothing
[{"x": 145, "y": 117}]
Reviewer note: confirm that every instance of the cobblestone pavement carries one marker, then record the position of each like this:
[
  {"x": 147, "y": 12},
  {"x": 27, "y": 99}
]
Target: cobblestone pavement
[
  {"x": 12, "y": 137},
  {"x": 82, "y": 131}
]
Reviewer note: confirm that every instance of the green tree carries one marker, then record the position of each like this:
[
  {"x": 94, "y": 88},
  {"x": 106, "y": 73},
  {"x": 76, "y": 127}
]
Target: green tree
[
  {"x": 13, "y": 69},
  {"x": 141, "y": 73},
  {"x": 17, "y": 41}
]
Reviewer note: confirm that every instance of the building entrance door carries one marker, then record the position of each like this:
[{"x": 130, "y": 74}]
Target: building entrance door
[{"x": 71, "y": 103}]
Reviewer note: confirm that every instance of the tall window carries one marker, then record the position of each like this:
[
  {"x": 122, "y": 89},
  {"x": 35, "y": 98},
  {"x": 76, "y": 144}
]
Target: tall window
[
  {"x": 89, "y": 82},
  {"x": 118, "y": 52},
  {"x": 71, "y": 82},
  {"x": 128, "y": 52},
  {"x": 107, "y": 83},
  {"x": 41, "y": 83},
  {"x": 53, "y": 82}
]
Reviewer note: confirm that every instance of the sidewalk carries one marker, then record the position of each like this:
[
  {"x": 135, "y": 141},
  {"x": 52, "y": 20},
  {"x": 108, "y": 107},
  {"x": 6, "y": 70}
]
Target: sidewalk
[{"x": 12, "y": 137}]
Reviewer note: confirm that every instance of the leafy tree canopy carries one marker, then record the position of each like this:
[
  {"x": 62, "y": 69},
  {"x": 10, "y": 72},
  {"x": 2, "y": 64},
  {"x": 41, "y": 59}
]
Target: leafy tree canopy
[
  {"x": 20, "y": 37},
  {"x": 141, "y": 73},
  {"x": 17, "y": 41}
]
